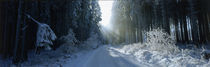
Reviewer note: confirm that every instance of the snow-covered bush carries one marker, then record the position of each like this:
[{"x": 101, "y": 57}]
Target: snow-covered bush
[
  {"x": 69, "y": 38},
  {"x": 45, "y": 36},
  {"x": 70, "y": 42},
  {"x": 158, "y": 40}
]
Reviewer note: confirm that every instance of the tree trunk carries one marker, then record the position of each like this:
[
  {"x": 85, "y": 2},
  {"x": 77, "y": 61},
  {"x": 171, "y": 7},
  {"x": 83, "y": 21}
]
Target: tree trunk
[{"x": 17, "y": 30}]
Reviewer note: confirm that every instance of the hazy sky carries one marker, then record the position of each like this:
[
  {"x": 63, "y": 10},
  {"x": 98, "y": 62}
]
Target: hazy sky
[{"x": 106, "y": 7}]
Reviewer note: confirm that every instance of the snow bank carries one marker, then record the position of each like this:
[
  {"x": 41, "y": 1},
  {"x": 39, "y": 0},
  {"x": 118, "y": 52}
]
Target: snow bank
[
  {"x": 64, "y": 54},
  {"x": 160, "y": 51}
]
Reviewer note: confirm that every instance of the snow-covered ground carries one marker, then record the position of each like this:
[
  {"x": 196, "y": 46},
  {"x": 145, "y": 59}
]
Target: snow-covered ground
[
  {"x": 182, "y": 58},
  {"x": 105, "y": 56},
  {"x": 132, "y": 55},
  {"x": 159, "y": 50},
  {"x": 138, "y": 55},
  {"x": 5, "y": 62}
]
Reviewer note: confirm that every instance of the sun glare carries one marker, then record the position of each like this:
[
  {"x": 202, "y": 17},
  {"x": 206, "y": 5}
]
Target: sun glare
[{"x": 106, "y": 10}]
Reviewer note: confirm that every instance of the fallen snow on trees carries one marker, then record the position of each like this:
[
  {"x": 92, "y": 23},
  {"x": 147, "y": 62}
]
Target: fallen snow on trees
[
  {"x": 45, "y": 36},
  {"x": 158, "y": 38}
]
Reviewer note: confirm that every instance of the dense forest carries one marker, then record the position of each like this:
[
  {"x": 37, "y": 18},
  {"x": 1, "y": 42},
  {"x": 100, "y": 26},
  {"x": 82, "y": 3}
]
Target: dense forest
[
  {"x": 187, "y": 20},
  {"x": 30, "y": 26},
  {"x": 18, "y": 30}
]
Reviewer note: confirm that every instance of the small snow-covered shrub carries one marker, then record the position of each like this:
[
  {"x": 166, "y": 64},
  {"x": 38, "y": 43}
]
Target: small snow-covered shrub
[
  {"x": 69, "y": 42},
  {"x": 158, "y": 40},
  {"x": 69, "y": 38}
]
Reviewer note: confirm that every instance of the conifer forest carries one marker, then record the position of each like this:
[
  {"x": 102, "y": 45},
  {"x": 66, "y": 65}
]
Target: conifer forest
[{"x": 104, "y": 33}]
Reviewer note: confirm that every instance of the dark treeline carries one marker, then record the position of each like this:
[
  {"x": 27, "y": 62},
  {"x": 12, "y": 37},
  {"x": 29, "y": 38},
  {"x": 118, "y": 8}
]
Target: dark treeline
[
  {"x": 18, "y": 33},
  {"x": 188, "y": 20}
]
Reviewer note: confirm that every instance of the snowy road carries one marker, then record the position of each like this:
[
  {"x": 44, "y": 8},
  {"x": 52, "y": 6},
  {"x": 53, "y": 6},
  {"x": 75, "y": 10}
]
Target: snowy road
[{"x": 105, "y": 57}]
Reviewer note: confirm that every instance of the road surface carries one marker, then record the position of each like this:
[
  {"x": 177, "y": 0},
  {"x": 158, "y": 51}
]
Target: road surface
[{"x": 105, "y": 56}]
